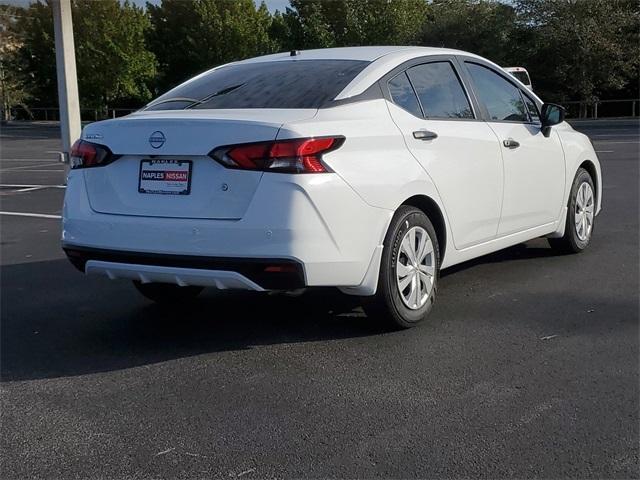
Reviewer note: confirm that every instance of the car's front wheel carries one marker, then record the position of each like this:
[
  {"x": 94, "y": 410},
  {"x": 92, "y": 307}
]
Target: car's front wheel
[
  {"x": 167, "y": 293},
  {"x": 408, "y": 278},
  {"x": 580, "y": 216}
]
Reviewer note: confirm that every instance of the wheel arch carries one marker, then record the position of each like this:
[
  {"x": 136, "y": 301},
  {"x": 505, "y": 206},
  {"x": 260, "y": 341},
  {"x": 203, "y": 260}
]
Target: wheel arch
[
  {"x": 431, "y": 209},
  {"x": 590, "y": 167}
]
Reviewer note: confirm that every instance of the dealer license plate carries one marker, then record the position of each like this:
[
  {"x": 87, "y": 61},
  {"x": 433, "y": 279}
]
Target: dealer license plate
[{"x": 165, "y": 177}]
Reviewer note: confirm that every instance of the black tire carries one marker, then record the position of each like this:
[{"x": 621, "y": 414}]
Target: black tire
[
  {"x": 387, "y": 304},
  {"x": 571, "y": 241},
  {"x": 167, "y": 293}
]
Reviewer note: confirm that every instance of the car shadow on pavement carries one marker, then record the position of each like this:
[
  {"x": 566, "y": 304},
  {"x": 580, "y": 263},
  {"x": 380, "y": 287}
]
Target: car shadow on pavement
[
  {"x": 537, "y": 248},
  {"x": 57, "y": 322}
]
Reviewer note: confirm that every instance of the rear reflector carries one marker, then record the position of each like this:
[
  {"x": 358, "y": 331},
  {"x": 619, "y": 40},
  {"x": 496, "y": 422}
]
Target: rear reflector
[
  {"x": 86, "y": 154},
  {"x": 286, "y": 268},
  {"x": 300, "y": 155}
]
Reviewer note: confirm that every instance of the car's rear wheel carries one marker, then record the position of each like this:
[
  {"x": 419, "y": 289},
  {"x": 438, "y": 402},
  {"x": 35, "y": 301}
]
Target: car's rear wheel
[
  {"x": 580, "y": 216},
  {"x": 167, "y": 293},
  {"x": 408, "y": 278}
]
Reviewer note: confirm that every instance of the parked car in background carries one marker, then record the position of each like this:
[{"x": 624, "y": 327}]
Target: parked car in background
[
  {"x": 369, "y": 169},
  {"x": 521, "y": 74}
]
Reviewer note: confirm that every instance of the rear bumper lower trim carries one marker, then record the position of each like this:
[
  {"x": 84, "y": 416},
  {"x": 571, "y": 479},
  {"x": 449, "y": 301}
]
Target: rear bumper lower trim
[
  {"x": 263, "y": 273},
  {"x": 180, "y": 276}
]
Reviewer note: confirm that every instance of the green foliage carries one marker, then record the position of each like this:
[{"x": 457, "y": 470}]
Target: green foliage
[
  {"x": 581, "y": 49},
  {"x": 110, "y": 36},
  {"x": 114, "y": 67},
  {"x": 36, "y": 55},
  {"x": 574, "y": 49},
  {"x": 304, "y": 26},
  {"x": 13, "y": 91},
  {"x": 340, "y": 23},
  {"x": 191, "y": 36},
  {"x": 484, "y": 27}
]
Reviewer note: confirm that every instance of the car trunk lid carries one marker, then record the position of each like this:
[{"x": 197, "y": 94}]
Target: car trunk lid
[{"x": 163, "y": 168}]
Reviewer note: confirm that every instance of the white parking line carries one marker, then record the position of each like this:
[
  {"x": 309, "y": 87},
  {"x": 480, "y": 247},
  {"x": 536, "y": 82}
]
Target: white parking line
[
  {"x": 26, "y": 214},
  {"x": 33, "y": 171},
  {"x": 29, "y": 189},
  {"x": 616, "y": 135},
  {"x": 25, "y": 160},
  {"x": 21, "y": 185},
  {"x": 23, "y": 167},
  {"x": 604, "y": 151},
  {"x": 30, "y": 137}
]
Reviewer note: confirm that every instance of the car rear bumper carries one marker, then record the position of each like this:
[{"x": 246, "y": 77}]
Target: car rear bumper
[{"x": 315, "y": 221}]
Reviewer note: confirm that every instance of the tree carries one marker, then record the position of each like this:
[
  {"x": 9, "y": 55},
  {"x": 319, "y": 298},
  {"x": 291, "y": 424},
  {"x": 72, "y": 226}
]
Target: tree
[
  {"x": 338, "y": 23},
  {"x": 574, "y": 49},
  {"x": 114, "y": 67},
  {"x": 582, "y": 50},
  {"x": 304, "y": 26},
  {"x": 111, "y": 52},
  {"x": 36, "y": 53},
  {"x": 483, "y": 27},
  {"x": 12, "y": 89},
  {"x": 189, "y": 37}
]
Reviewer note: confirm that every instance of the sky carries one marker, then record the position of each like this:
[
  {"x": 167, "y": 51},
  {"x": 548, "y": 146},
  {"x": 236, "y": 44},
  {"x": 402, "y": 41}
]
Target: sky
[{"x": 272, "y": 5}]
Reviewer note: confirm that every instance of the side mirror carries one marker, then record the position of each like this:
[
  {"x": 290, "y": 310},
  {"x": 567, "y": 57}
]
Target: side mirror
[{"x": 552, "y": 114}]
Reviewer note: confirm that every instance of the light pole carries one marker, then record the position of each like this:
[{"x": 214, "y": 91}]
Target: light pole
[{"x": 67, "y": 76}]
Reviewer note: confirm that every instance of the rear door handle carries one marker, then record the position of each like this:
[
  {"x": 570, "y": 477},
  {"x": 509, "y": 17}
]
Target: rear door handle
[
  {"x": 510, "y": 143},
  {"x": 424, "y": 135}
]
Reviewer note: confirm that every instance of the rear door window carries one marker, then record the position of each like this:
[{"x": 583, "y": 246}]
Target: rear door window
[
  {"x": 440, "y": 91},
  {"x": 276, "y": 84},
  {"x": 403, "y": 95}
]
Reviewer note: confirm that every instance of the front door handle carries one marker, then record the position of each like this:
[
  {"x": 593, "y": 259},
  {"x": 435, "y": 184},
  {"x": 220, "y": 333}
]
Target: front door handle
[
  {"x": 510, "y": 143},
  {"x": 424, "y": 135}
]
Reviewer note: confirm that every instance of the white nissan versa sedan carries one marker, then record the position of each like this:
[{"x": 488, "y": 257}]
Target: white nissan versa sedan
[{"x": 369, "y": 169}]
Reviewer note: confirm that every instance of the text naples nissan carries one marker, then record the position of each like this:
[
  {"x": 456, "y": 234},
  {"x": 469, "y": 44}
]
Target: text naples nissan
[{"x": 368, "y": 168}]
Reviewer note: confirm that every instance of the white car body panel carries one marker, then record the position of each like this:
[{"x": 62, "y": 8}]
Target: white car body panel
[
  {"x": 333, "y": 224},
  {"x": 191, "y": 132},
  {"x": 536, "y": 167},
  {"x": 316, "y": 230},
  {"x": 455, "y": 164},
  {"x": 190, "y": 136},
  {"x": 114, "y": 190}
]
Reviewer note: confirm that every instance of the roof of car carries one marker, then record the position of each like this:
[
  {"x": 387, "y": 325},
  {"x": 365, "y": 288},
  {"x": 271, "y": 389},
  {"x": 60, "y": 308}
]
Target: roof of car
[
  {"x": 381, "y": 59},
  {"x": 368, "y": 54}
]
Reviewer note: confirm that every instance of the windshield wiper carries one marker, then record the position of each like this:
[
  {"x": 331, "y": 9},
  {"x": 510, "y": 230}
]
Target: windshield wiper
[
  {"x": 224, "y": 91},
  {"x": 194, "y": 101},
  {"x": 173, "y": 99}
]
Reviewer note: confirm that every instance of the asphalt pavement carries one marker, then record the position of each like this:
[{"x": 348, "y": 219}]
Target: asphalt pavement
[{"x": 528, "y": 366}]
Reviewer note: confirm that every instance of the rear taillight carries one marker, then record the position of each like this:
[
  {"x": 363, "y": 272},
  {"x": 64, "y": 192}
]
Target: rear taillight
[
  {"x": 299, "y": 155},
  {"x": 86, "y": 154}
]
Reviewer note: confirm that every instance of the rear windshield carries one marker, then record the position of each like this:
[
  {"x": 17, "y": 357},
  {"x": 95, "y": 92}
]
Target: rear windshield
[{"x": 283, "y": 84}]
